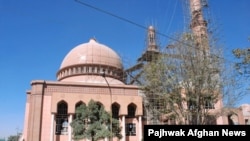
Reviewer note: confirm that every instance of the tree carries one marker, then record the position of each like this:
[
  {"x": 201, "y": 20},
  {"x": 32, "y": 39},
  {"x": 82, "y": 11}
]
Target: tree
[
  {"x": 184, "y": 82},
  {"x": 14, "y": 137},
  {"x": 93, "y": 122},
  {"x": 242, "y": 67},
  {"x": 243, "y": 55}
]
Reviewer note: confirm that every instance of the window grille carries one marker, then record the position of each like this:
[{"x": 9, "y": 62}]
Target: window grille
[
  {"x": 61, "y": 118},
  {"x": 130, "y": 129}
]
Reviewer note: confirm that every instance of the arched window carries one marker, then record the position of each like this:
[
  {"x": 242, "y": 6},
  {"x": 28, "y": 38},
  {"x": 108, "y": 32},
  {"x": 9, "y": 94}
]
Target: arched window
[
  {"x": 130, "y": 128},
  {"x": 78, "y": 104},
  {"x": 131, "y": 110},
  {"x": 115, "y": 111},
  {"x": 62, "y": 118},
  {"x": 99, "y": 105}
]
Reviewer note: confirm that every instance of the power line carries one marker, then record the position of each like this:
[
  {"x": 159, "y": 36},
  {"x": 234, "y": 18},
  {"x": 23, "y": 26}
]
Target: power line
[
  {"x": 136, "y": 24},
  {"x": 127, "y": 20}
]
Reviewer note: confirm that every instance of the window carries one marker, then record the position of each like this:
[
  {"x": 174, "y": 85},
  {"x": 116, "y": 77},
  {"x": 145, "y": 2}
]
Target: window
[
  {"x": 192, "y": 105},
  {"x": 115, "y": 111},
  {"x": 130, "y": 129},
  {"x": 80, "y": 103},
  {"x": 62, "y": 118},
  {"x": 246, "y": 121},
  {"x": 151, "y": 38},
  {"x": 131, "y": 111},
  {"x": 99, "y": 105},
  {"x": 208, "y": 103}
]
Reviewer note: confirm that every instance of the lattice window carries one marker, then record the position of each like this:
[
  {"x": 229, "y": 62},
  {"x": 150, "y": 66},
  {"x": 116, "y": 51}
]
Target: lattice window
[
  {"x": 208, "y": 103},
  {"x": 62, "y": 118},
  {"x": 130, "y": 129}
]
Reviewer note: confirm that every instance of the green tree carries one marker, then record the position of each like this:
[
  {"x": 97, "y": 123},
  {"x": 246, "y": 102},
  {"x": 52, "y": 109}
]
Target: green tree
[{"x": 93, "y": 122}]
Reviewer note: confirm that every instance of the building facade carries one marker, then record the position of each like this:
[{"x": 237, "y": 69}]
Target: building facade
[
  {"x": 93, "y": 71},
  {"x": 246, "y": 113},
  {"x": 90, "y": 71}
]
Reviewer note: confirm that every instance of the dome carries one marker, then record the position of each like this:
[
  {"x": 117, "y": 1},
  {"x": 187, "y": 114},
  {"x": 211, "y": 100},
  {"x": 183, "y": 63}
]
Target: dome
[
  {"x": 89, "y": 60},
  {"x": 92, "y": 53}
]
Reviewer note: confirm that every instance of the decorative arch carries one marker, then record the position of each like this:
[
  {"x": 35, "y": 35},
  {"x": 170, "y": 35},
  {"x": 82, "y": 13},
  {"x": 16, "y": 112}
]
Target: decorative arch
[
  {"x": 99, "y": 104},
  {"x": 131, "y": 110},
  {"x": 79, "y": 103},
  {"x": 115, "y": 110},
  {"x": 62, "y": 117}
]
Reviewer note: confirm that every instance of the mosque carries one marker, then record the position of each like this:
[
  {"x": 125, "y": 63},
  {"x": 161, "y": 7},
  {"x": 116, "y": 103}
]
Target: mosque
[{"x": 91, "y": 71}]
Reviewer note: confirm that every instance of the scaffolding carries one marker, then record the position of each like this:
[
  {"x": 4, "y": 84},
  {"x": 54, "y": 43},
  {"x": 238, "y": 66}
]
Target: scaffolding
[{"x": 154, "y": 102}]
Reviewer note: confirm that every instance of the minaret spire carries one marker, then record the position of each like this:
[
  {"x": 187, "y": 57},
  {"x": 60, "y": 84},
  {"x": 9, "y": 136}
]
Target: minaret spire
[
  {"x": 198, "y": 23},
  {"x": 151, "y": 39},
  {"x": 152, "y": 48}
]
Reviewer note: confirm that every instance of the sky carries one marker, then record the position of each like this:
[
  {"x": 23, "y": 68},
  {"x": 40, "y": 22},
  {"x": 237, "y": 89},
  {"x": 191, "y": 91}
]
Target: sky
[{"x": 36, "y": 35}]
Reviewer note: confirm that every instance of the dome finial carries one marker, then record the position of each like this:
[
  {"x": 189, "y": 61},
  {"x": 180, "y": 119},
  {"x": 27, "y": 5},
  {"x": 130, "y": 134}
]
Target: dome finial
[{"x": 93, "y": 39}]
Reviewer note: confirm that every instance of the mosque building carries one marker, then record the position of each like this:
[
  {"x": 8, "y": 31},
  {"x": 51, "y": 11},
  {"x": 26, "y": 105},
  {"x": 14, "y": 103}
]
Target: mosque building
[
  {"x": 93, "y": 71},
  {"x": 89, "y": 71}
]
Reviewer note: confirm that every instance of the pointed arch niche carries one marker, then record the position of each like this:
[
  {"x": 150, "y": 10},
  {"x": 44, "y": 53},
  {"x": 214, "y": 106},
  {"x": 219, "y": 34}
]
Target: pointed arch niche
[
  {"x": 77, "y": 105},
  {"x": 115, "y": 110},
  {"x": 61, "y": 118},
  {"x": 131, "y": 110}
]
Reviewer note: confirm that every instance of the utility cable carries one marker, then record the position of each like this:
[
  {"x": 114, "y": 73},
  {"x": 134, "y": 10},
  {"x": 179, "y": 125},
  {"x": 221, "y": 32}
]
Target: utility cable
[
  {"x": 136, "y": 24},
  {"x": 127, "y": 20}
]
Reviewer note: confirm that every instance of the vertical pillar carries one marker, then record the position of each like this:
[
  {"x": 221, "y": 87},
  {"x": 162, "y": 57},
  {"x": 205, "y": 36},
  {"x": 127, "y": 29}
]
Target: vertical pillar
[
  {"x": 52, "y": 127},
  {"x": 140, "y": 129},
  {"x": 123, "y": 128},
  {"x": 36, "y": 111},
  {"x": 69, "y": 128}
]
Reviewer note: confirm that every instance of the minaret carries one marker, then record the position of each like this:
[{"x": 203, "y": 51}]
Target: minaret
[
  {"x": 198, "y": 23},
  {"x": 152, "y": 48},
  {"x": 151, "y": 54},
  {"x": 151, "y": 40}
]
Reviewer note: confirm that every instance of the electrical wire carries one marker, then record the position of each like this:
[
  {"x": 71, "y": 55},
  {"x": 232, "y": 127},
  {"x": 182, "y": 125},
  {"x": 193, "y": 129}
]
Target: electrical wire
[
  {"x": 136, "y": 24},
  {"x": 172, "y": 16},
  {"x": 127, "y": 20}
]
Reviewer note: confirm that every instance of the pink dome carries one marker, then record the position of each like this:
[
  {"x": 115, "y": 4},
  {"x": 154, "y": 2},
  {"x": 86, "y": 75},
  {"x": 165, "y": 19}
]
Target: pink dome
[
  {"x": 86, "y": 62},
  {"x": 92, "y": 53}
]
